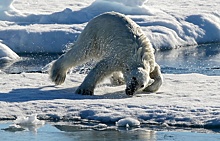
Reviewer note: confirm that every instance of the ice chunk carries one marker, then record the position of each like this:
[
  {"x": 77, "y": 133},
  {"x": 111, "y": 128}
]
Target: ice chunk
[
  {"x": 14, "y": 128},
  {"x": 128, "y": 122},
  {"x": 30, "y": 120},
  {"x": 7, "y": 53},
  {"x": 7, "y": 56}
]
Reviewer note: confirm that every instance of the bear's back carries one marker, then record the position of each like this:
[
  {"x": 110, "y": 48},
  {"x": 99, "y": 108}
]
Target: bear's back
[
  {"x": 112, "y": 34},
  {"x": 113, "y": 23}
]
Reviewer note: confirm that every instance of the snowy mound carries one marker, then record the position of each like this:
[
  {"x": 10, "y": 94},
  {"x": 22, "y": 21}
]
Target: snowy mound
[
  {"x": 132, "y": 7},
  {"x": 7, "y": 55},
  {"x": 128, "y": 122},
  {"x": 7, "y": 9}
]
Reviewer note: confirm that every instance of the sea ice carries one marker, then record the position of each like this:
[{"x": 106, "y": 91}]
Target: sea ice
[{"x": 28, "y": 26}]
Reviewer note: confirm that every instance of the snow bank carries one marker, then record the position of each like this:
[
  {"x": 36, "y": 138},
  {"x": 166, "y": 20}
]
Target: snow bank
[
  {"x": 165, "y": 24},
  {"x": 67, "y": 16},
  {"x": 133, "y": 7},
  {"x": 183, "y": 100},
  {"x": 210, "y": 26},
  {"x": 7, "y": 56},
  {"x": 39, "y": 38},
  {"x": 7, "y": 9}
]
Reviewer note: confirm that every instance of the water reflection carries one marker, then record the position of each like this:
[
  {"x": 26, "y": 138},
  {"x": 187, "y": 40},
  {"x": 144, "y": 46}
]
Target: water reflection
[
  {"x": 82, "y": 132},
  {"x": 204, "y": 59},
  {"x": 77, "y": 132},
  {"x": 109, "y": 134},
  {"x": 17, "y": 128}
]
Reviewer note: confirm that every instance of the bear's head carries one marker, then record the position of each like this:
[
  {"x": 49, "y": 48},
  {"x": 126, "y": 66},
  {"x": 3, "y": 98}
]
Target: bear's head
[{"x": 137, "y": 79}]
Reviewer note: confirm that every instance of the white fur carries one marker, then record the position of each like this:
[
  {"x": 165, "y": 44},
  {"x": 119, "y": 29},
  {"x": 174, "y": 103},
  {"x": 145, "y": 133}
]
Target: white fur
[{"x": 119, "y": 45}]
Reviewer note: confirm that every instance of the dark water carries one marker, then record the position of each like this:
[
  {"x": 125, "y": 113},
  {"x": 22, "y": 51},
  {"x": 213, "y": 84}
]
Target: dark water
[
  {"x": 204, "y": 59},
  {"x": 55, "y": 132}
]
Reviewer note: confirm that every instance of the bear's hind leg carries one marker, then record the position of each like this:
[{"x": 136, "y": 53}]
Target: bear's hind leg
[
  {"x": 70, "y": 59},
  {"x": 157, "y": 77},
  {"x": 57, "y": 72},
  {"x": 97, "y": 74}
]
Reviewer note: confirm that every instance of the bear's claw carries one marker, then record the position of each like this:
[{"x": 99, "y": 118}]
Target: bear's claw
[
  {"x": 59, "y": 79},
  {"x": 84, "y": 91}
]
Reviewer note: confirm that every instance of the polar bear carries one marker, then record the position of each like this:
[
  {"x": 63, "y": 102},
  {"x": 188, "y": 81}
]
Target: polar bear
[{"x": 120, "y": 48}]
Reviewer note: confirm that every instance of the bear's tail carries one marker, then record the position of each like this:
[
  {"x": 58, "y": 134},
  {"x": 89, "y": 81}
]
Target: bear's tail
[{"x": 57, "y": 72}]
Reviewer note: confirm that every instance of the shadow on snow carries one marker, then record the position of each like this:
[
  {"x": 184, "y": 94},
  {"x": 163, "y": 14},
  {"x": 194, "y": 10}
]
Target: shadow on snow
[{"x": 31, "y": 94}]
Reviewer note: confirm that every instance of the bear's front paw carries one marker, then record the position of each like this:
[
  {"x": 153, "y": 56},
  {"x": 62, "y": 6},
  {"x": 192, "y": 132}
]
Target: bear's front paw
[
  {"x": 84, "y": 91},
  {"x": 117, "y": 79}
]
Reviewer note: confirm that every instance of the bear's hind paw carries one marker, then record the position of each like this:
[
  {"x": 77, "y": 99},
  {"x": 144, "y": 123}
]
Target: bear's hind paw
[{"x": 59, "y": 79}]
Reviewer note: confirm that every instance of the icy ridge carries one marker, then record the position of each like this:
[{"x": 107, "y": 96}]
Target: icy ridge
[{"x": 50, "y": 32}]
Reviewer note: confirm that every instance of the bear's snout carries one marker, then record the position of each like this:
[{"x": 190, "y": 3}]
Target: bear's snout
[
  {"x": 129, "y": 92},
  {"x": 132, "y": 87}
]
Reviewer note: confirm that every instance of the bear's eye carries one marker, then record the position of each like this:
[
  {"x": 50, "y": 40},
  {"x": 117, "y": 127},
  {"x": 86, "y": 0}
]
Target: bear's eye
[
  {"x": 142, "y": 86},
  {"x": 127, "y": 69}
]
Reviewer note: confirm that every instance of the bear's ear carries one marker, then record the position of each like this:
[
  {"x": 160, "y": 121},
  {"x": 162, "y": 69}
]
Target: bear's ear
[{"x": 150, "y": 82}]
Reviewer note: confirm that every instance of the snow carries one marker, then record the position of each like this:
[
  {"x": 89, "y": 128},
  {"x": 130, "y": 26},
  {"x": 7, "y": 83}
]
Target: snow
[
  {"x": 6, "y": 53},
  {"x": 29, "y": 121},
  {"x": 7, "y": 56},
  {"x": 28, "y": 26},
  {"x": 48, "y": 26},
  {"x": 128, "y": 122},
  {"x": 183, "y": 100}
]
